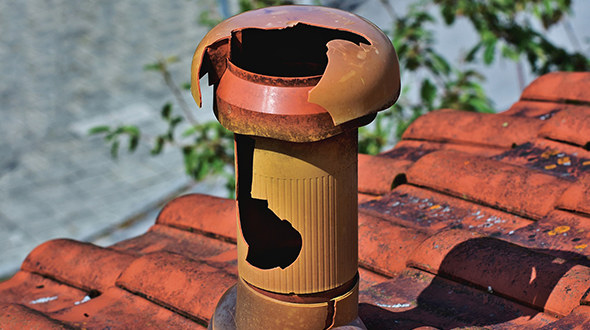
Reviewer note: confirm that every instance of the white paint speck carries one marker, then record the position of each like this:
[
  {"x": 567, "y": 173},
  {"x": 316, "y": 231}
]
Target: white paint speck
[
  {"x": 43, "y": 300},
  {"x": 490, "y": 289},
  {"x": 511, "y": 232},
  {"x": 85, "y": 299},
  {"x": 394, "y": 306}
]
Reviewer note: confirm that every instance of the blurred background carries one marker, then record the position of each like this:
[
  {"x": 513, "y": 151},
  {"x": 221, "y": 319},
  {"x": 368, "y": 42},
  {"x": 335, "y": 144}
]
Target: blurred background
[{"x": 120, "y": 69}]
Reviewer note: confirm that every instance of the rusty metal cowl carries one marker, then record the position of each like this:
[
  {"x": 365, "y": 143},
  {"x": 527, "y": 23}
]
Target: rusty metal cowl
[{"x": 359, "y": 77}]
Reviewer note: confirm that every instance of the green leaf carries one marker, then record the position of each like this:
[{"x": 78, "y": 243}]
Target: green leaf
[
  {"x": 470, "y": 57},
  {"x": 166, "y": 110},
  {"x": 153, "y": 67},
  {"x": 186, "y": 86},
  {"x": 133, "y": 143},
  {"x": 99, "y": 129},
  {"x": 428, "y": 92},
  {"x": 489, "y": 52},
  {"x": 158, "y": 146},
  {"x": 448, "y": 14},
  {"x": 131, "y": 130}
]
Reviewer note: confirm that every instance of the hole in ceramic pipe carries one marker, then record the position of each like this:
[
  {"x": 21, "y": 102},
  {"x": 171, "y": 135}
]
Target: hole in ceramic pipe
[
  {"x": 298, "y": 51},
  {"x": 272, "y": 242}
]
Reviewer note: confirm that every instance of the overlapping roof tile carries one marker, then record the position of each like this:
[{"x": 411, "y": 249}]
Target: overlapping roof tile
[{"x": 472, "y": 220}]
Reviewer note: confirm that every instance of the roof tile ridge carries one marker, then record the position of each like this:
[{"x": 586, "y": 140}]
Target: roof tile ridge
[
  {"x": 181, "y": 284},
  {"x": 207, "y": 214},
  {"x": 513, "y": 189},
  {"x": 74, "y": 263},
  {"x": 576, "y": 199},
  {"x": 562, "y": 87},
  {"x": 532, "y": 278},
  {"x": 18, "y": 317},
  {"x": 459, "y": 143},
  {"x": 487, "y": 129},
  {"x": 386, "y": 259},
  {"x": 376, "y": 174},
  {"x": 208, "y": 234}
]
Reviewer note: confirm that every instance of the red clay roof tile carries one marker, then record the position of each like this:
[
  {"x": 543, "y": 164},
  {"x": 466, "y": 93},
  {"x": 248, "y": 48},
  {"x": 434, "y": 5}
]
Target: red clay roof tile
[
  {"x": 577, "y": 197},
  {"x": 484, "y": 129},
  {"x": 120, "y": 309},
  {"x": 165, "y": 238},
  {"x": 511, "y": 188},
  {"x": 189, "y": 287},
  {"x": 18, "y": 317},
  {"x": 207, "y": 214},
  {"x": 533, "y": 109},
  {"x": 376, "y": 174},
  {"x": 430, "y": 212},
  {"x": 559, "y": 87},
  {"x": 39, "y": 293},
  {"x": 81, "y": 265},
  {"x": 570, "y": 125},
  {"x": 386, "y": 259},
  {"x": 535, "y": 279},
  {"x": 473, "y": 220},
  {"x": 417, "y": 299}
]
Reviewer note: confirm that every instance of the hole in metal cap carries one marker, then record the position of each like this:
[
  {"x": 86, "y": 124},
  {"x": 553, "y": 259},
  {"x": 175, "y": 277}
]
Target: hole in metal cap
[{"x": 297, "y": 51}]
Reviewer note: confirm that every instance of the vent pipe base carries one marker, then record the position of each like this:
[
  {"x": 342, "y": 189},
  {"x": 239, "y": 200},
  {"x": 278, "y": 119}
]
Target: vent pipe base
[{"x": 258, "y": 311}]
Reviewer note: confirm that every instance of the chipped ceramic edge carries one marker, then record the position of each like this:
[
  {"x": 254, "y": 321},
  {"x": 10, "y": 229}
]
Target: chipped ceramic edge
[{"x": 370, "y": 78}]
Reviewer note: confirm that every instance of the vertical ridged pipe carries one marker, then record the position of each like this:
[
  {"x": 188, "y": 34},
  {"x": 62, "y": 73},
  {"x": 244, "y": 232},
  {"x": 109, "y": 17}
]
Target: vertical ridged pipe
[{"x": 313, "y": 187}]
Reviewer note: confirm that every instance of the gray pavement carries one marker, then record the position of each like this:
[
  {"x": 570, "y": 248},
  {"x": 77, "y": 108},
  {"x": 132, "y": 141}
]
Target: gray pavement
[{"x": 66, "y": 66}]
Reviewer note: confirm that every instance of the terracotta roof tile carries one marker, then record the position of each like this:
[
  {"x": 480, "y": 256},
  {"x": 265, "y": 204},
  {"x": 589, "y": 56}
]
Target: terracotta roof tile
[
  {"x": 473, "y": 128},
  {"x": 559, "y": 87},
  {"x": 577, "y": 197},
  {"x": 207, "y": 214},
  {"x": 17, "y": 317},
  {"x": 81, "y": 265},
  {"x": 550, "y": 157},
  {"x": 511, "y": 188},
  {"x": 191, "y": 288},
  {"x": 38, "y": 292},
  {"x": 472, "y": 220},
  {"x": 120, "y": 309},
  {"x": 430, "y": 212},
  {"x": 164, "y": 238},
  {"x": 570, "y": 125}
]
